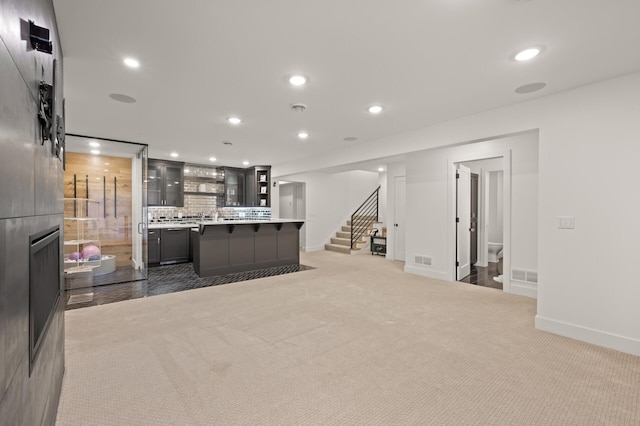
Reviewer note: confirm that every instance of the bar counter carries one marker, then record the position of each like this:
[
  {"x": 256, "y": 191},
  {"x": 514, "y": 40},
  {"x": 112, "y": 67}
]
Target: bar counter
[{"x": 226, "y": 247}]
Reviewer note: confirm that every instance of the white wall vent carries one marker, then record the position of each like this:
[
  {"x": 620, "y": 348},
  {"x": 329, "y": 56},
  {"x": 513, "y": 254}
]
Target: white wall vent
[
  {"x": 524, "y": 275},
  {"x": 423, "y": 260}
]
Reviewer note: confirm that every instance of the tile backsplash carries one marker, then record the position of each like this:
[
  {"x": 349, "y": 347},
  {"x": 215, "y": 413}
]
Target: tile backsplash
[{"x": 161, "y": 214}]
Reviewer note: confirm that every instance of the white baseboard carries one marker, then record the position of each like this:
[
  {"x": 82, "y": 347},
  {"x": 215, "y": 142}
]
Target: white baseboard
[
  {"x": 316, "y": 248},
  {"x": 589, "y": 335},
  {"x": 524, "y": 289},
  {"x": 429, "y": 273}
]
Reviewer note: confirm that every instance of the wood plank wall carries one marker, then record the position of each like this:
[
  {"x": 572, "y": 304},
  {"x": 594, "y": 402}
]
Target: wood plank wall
[{"x": 115, "y": 231}]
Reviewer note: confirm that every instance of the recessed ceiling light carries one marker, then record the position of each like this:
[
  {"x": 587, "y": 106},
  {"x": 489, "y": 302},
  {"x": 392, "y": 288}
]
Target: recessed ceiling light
[
  {"x": 303, "y": 135},
  {"x": 234, "y": 120},
  {"x": 131, "y": 63},
  {"x": 350, "y": 139},
  {"x": 95, "y": 152},
  {"x": 298, "y": 80},
  {"x": 381, "y": 169},
  {"x": 174, "y": 154},
  {"x": 94, "y": 144},
  {"x": 375, "y": 109},
  {"x": 122, "y": 98},
  {"x": 245, "y": 163},
  {"x": 527, "y": 54},
  {"x": 530, "y": 88},
  {"x": 212, "y": 159}
]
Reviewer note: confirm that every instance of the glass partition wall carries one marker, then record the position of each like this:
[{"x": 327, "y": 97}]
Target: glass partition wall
[{"x": 105, "y": 226}]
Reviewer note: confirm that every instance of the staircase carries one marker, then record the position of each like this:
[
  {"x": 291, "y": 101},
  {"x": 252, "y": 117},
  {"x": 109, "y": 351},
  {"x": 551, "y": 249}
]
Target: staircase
[
  {"x": 355, "y": 235},
  {"x": 342, "y": 241}
]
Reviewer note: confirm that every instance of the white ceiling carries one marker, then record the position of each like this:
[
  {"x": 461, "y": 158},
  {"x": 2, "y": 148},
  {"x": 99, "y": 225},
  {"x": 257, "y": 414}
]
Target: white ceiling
[{"x": 426, "y": 61}]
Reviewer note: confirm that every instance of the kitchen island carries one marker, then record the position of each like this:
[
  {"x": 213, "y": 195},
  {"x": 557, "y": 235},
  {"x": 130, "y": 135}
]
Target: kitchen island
[{"x": 226, "y": 247}]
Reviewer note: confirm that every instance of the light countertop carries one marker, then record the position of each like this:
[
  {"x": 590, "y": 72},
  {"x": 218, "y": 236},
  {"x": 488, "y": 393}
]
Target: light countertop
[{"x": 196, "y": 224}]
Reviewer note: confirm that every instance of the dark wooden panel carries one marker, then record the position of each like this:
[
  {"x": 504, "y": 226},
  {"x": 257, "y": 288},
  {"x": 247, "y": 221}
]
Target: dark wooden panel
[
  {"x": 242, "y": 246},
  {"x": 266, "y": 244},
  {"x": 288, "y": 243},
  {"x": 219, "y": 252}
]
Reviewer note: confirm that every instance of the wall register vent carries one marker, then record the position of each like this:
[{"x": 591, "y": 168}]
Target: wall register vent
[
  {"x": 423, "y": 260},
  {"x": 524, "y": 276}
]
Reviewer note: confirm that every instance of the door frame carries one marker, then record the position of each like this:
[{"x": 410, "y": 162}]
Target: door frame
[
  {"x": 396, "y": 205},
  {"x": 451, "y": 211}
]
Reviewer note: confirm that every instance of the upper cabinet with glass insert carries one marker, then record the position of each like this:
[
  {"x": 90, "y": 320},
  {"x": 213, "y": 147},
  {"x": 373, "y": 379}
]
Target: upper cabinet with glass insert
[{"x": 166, "y": 182}]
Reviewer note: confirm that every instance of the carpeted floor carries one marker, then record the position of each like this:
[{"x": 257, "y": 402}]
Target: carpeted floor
[{"x": 354, "y": 342}]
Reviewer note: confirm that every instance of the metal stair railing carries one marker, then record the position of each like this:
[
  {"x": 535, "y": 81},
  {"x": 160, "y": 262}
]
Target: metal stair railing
[{"x": 364, "y": 217}]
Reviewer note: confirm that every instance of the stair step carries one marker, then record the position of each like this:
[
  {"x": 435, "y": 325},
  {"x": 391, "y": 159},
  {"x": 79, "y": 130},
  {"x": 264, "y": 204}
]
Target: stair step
[
  {"x": 346, "y": 228},
  {"x": 338, "y": 248},
  {"x": 341, "y": 234},
  {"x": 341, "y": 241},
  {"x": 357, "y": 221}
]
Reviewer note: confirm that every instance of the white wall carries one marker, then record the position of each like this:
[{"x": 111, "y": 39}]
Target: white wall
[
  {"x": 331, "y": 198},
  {"x": 588, "y": 149},
  {"x": 382, "y": 198},
  {"x": 430, "y": 194}
]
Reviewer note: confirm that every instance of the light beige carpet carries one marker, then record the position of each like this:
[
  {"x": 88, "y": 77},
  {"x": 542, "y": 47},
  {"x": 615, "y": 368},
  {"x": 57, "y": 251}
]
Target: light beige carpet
[{"x": 354, "y": 342}]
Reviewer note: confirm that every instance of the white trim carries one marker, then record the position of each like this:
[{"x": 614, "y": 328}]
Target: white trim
[
  {"x": 589, "y": 335},
  {"x": 315, "y": 248},
  {"x": 429, "y": 273},
  {"x": 524, "y": 289}
]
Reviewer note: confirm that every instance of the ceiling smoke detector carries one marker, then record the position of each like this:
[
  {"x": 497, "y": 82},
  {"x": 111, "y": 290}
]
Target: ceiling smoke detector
[{"x": 298, "y": 107}]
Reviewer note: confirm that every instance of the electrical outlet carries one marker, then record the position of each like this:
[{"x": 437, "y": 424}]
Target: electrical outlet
[{"x": 566, "y": 222}]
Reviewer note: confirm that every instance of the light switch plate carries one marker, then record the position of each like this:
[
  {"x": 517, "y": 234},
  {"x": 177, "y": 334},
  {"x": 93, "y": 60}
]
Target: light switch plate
[{"x": 566, "y": 222}]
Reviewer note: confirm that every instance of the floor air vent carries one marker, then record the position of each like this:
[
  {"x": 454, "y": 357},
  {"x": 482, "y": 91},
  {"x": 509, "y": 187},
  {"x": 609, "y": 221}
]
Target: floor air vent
[
  {"x": 525, "y": 276},
  {"x": 423, "y": 260}
]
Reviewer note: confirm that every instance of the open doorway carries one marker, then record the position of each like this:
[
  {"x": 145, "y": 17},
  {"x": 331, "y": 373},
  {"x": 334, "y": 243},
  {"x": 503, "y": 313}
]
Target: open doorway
[
  {"x": 292, "y": 204},
  {"x": 480, "y": 213}
]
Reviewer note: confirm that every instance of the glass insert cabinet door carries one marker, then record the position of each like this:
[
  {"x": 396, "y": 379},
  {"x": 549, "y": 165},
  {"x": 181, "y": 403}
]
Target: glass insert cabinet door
[
  {"x": 154, "y": 184},
  {"x": 173, "y": 185}
]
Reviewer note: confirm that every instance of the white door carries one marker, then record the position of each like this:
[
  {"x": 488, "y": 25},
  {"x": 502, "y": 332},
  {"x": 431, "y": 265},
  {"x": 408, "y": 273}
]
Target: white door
[
  {"x": 398, "y": 224},
  {"x": 463, "y": 219}
]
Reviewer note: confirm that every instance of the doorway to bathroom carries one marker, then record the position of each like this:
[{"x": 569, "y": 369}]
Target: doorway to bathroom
[{"x": 480, "y": 222}]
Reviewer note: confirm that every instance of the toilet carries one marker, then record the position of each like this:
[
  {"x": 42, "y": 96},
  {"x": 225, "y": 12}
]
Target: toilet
[{"x": 495, "y": 251}]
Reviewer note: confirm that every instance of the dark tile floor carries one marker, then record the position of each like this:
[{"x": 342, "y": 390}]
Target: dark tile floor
[
  {"x": 162, "y": 280},
  {"x": 483, "y": 276}
]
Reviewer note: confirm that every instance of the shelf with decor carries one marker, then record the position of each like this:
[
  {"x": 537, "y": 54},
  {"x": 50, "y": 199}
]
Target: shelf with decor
[
  {"x": 82, "y": 249},
  {"x": 257, "y": 181},
  {"x": 200, "y": 180}
]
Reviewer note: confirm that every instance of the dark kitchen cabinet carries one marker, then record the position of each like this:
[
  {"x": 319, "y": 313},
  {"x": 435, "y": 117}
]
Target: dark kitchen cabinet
[
  {"x": 165, "y": 183},
  {"x": 174, "y": 245},
  {"x": 168, "y": 246},
  {"x": 154, "y": 247},
  {"x": 234, "y": 187},
  {"x": 257, "y": 181}
]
